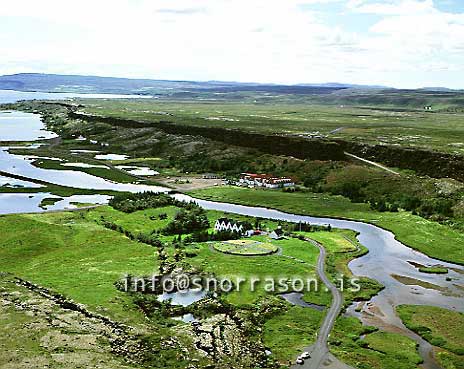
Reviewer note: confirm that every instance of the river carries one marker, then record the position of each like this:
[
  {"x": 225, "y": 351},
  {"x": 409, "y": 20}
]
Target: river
[{"x": 387, "y": 257}]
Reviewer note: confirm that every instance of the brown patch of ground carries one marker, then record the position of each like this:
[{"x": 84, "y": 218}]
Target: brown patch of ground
[
  {"x": 418, "y": 282},
  {"x": 189, "y": 183}
]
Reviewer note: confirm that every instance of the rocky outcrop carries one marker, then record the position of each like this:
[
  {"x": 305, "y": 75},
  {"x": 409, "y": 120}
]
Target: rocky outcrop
[
  {"x": 222, "y": 338},
  {"x": 271, "y": 144}
]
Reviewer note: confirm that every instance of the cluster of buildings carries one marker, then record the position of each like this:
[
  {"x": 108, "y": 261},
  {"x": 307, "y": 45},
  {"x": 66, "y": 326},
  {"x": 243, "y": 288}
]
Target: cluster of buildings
[
  {"x": 231, "y": 225},
  {"x": 264, "y": 180}
]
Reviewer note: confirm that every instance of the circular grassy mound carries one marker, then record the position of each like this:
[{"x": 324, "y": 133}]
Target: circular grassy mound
[{"x": 245, "y": 247}]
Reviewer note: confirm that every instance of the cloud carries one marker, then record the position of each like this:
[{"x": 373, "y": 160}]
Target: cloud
[
  {"x": 392, "y": 7},
  {"x": 246, "y": 40},
  {"x": 187, "y": 11}
]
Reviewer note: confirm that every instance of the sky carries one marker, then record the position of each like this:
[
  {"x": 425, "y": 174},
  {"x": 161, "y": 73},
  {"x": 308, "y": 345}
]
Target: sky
[{"x": 397, "y": 43}]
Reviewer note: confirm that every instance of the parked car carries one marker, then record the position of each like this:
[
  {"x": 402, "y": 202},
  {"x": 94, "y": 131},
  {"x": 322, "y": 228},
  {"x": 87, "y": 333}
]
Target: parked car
[
  {"x": 305, "y": 355},
  {"x": 300, "y": 361}
]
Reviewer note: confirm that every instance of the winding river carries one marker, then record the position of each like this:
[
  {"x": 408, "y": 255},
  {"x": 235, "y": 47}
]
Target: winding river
[{"x": 389, "y": 261}]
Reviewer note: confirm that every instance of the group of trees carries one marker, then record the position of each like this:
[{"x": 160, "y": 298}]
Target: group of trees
[
  {"x": 426, "y": 208},
  {"x": 188, "y": 220},
  {"x": 130, "y": 202},
  {"x": 204, "y": 236},
  {"x": 307, "y": 227}
]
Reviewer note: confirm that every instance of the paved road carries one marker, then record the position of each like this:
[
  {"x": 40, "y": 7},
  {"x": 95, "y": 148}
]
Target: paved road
[{"x": 320, "y": 355}]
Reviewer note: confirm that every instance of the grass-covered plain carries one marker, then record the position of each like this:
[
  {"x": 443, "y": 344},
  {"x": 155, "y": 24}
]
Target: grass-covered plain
[
  {"x": 74, "y": 257},
  {"x": 434, "y": 239},
  {"x": 413, "y": 127},
  {"x": 442, "y": 328}
]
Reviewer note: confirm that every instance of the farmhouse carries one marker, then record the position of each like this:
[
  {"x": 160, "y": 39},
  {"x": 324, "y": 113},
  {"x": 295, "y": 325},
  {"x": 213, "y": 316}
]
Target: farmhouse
[
  {"x": 225, "y": 224},
  {"x": 265, "y": 180}
]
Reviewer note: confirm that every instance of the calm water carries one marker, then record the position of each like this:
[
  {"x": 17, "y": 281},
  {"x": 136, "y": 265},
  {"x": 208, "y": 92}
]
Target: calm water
[
  {"x": 296, "y": 298},
  {"x": 11, "y": 203},
  {"x": 18, "y": 126},
  {"x": 21, "y": 165},
  {"x": 138, "y": 171},
  {"x": 11, "y": 96},
  {"x": 22, "y": 127},
  {"x": 183, "y": 298}
]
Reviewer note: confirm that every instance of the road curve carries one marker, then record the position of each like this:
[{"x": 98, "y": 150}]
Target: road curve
[{"x": 320, "y": 354}]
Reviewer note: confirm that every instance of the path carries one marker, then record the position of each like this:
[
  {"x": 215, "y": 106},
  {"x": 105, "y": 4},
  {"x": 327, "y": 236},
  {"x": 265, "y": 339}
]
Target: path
[
  {"x": 320, "y": 355},
  {"x": 372, "y": 163}
]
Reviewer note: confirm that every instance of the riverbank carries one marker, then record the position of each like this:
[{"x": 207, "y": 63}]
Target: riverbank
[{"x": 436, "y": 240}]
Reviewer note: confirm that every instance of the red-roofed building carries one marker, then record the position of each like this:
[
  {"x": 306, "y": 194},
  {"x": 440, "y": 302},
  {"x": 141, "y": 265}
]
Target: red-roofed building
[{"x": 265, "y": 180}]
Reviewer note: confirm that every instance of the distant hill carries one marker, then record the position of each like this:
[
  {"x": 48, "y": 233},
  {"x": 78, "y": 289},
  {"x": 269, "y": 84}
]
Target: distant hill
[
  {"x": 343, "y": 85},
  {"x": 325, "y": 93},
  {"x": 438, "y": 89},
  {"x": 94, "y": 84},
  {"x": 91, "y": 84}
]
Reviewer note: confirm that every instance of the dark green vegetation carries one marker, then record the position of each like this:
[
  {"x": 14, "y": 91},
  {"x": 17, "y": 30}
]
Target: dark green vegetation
[
  {"x": 441, "y": 327},
  {"x": 437, "y": 240}
]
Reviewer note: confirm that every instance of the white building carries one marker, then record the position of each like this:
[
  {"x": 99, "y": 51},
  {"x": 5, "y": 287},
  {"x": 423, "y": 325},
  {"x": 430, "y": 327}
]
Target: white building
[{"x": 224, "y": 224}]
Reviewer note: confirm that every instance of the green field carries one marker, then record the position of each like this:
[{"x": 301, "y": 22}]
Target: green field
[
  {"x": 287, "y": 334},
  {"x": 432, "y": 238},
  {"x": 81, "y": 260},
  {"x": 66, "y": 253}
]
